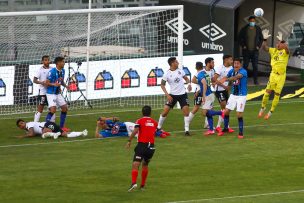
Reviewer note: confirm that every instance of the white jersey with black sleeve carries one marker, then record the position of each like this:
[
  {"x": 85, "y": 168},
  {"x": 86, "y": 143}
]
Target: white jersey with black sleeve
[
  {"x": 175, "y": 79},
  {"x": 42, "y": 75},
  {"x": 37, "y": 127},
  {"x": 222, "y": 71}
]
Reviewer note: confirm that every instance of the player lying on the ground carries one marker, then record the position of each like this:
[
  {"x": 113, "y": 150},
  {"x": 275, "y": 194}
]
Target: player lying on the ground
[
  {"x": 145, "y": 128},
  {"x": 237, "y": 98},
  {"x": 45, "y": 129},
  {"x": 112, "y": 127},
  {"x": 279, "y": 60}
]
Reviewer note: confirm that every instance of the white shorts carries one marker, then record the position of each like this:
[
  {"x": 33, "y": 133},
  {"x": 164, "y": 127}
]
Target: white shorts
[
  {"x": 236, "y": 101},
  {"x": 130, "y": 127},
  {"x": 55, "y": 100},
  {"x": 209, "y": 102}
]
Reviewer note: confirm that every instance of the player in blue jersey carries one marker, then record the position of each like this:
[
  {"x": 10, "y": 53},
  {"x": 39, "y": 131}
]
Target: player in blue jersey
[
  {"x": 54, "y": 81},
  {"x": 112, "y": 127},
  {"x": 204, "y": 81},
  {"x": 237, "y": 99}
]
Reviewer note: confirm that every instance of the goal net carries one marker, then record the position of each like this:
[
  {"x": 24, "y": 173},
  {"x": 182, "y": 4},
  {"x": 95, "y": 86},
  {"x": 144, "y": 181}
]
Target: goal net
[{"x": 113, "y": 57}]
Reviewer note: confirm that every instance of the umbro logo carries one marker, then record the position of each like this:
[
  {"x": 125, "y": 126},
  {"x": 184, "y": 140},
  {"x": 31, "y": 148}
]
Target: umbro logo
[
  {"x": 173, "y": 25},
  {"x": 215, "y": 33}
]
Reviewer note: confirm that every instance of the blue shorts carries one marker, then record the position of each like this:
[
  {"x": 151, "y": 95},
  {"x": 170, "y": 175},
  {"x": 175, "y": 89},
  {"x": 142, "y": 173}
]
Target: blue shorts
[{"x": 107, "y": 133}]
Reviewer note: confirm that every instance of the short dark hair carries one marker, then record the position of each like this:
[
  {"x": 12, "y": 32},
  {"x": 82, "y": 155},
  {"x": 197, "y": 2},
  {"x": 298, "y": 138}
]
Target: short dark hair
[
  {"x": 18, "y": 121},
  {"x": 171, "y": 60},
  {"x": 251, "y": 17},
  {"x": 199, "y": 65},
  {"x": 208, "y": 60},
  {"x": 226, "y": 56},
  {"x": 237, "y": 59},
  {"x": 44, "y": 57},
  {"x": 146, "y": 111},
  {"x": 58, "y": 59}
]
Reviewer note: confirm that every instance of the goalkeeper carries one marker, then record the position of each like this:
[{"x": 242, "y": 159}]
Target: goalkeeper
[
  {"x": 112, "y": 127},
  {"x": 279, "y": 60}
]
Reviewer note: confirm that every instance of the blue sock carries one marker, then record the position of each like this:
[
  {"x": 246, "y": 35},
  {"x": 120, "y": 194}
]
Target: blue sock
[
  {"x": 241, "y": 124},
  {"x": 213, "y": 113},
  {"x": 210, "y": 122},
  {"x": 62, "y": 119},
  {"x": 226, "y": 122},
  {"x": 49, "y": 116}
]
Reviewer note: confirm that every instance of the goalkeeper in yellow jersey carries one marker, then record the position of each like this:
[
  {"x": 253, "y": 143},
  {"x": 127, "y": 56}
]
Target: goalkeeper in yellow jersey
[{"x": 279, "y": 60}]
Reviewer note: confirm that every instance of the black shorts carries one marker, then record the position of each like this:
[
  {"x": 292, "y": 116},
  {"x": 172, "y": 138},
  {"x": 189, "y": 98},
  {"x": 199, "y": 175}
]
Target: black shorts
[
  {"x": 53, "y": 126},
  {"x": 42, "y": 100},
  {"x": 222, "y": 95},
  {"x": 198, "y": 100},
  {"x": 143, "y": 151},
  {"x": 181, "y": 99}
]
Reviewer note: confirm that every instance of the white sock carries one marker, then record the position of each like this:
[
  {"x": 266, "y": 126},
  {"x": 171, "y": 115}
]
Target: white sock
[
  {"x": 220, "y": 121},
  {"x": 206, "y": 122},
  {"x": 187, "y": 123},
  {"x": 191, "y": 116},
  {"x": 37, "y": 116},
  {"x": 53, "y": 118},
  {"x": 74, "y": 134},
  {"x": 161, "y": 121}
]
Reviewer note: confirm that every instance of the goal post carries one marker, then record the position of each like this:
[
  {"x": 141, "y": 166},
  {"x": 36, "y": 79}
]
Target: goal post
[{"x": 114, "y": 57}]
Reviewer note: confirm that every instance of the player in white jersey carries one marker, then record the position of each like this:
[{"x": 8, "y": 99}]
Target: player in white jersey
[
  {"x": 45, "y": 129},
  {"x": 40, "y": 78},
  {"x": 175, "y": 77},
  {"x": 198, "y": 99},
  {"x": 221, "y": 89}
]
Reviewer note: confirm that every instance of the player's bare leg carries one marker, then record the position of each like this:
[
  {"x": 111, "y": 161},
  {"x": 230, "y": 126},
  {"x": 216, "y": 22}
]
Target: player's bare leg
[
  {"x": 135, "y": 167},
  {"x": 264, "y": 102},
  {"x": 185, "y": 111}
]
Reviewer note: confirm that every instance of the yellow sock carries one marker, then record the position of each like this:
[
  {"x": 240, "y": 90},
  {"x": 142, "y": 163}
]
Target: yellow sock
[
  {"x": 275, "y": 102},
  {"x": 265, "y": 100}
]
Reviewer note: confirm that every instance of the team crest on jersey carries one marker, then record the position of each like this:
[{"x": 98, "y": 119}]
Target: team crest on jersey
[
  {"x": 236, "y": 82},
  {"x": 280, "y": 53},
  {"x": 176, "y": 80},
  {"x": 115, "y": 129},
  {"x": 179, "y": 72}
]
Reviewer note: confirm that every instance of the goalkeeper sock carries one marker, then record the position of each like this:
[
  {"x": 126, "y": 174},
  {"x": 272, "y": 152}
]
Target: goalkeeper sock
[
  {"x": 275, "y": 102},
  {"x": 191, "y": 116},
  {"x": 161, "y": 121},
  {"x": 134, "y": 176},
  {"x": 37, "y": 116},
  {"x": 62, "y": 118},
  {"x": 241, "y": 124},
  {"x": 49, "y": 116},
  {"x": 265, "y": 100},
  {"x": 187, "y": 123},
  {"x": 74, "y": 134},
  {"x": 53, "y": 118},
  {"x": 144, "y": 175}
]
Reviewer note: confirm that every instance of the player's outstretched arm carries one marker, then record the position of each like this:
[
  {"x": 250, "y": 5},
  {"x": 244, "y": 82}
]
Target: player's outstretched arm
[
  {"x": 97, "y": 135},
  {"x": 29, "y": 133},
  {"x": 134, "y": 132},
  {"x": 194, "y": 80},
  {"x": 36, "y": 81},
  {"x": 266, "y": 35},
  {"x": 238, "y": 76}
]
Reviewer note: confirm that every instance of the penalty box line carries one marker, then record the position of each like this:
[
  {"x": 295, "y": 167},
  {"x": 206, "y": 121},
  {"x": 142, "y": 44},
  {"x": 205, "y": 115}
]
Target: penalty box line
[
  {"x": 90, "y": 139},
  {"x": 239, "y": 196}
]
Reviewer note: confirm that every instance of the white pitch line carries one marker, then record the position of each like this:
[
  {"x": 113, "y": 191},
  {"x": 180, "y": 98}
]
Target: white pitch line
[
  {"x": 240, "y": 196},
  {"x": 250, "y": 103},
  {"x": 90, "y": 139}
]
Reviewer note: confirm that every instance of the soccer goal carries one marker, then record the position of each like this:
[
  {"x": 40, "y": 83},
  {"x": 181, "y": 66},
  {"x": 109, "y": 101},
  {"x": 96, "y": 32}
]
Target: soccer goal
[{"x": 114, "y": 57}]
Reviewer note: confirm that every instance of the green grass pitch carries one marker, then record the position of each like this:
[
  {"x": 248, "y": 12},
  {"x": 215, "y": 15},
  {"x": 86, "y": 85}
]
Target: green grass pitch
[{"x": 206, "y": 169}]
